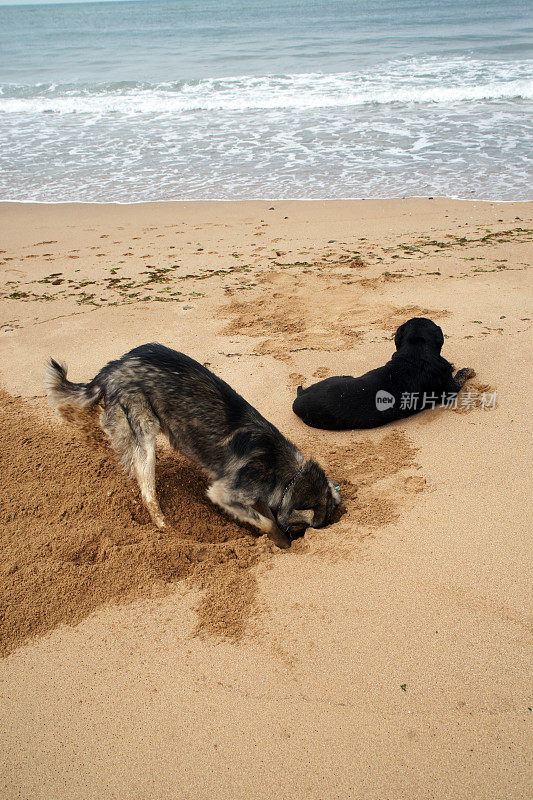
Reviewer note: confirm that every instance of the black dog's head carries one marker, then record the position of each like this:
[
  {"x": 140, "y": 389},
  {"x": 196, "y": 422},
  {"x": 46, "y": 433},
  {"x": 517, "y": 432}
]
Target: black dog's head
[
  {"x": 308, "y": 501},
  {"x": 419, "y": 333}
]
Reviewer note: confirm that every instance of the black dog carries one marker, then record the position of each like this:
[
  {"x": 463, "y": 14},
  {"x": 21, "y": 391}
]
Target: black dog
[{"x": 416, "y": 377}]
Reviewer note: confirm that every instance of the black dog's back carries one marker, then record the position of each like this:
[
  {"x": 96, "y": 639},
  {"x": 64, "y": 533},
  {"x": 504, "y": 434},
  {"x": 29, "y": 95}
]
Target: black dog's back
[
  {"x": 344, "y": 402},
  {"x": 416, "y": 377}
]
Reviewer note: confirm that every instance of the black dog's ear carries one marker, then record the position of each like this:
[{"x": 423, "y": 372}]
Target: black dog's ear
[
  {"x": 440, "y": 337},
  {"x": 299, "y": 390},
  {"x": 398, "y": 336}
]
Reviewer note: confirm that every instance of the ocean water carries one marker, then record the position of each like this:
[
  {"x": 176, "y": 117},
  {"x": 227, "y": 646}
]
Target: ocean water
[{"x": 239, "y": 99}]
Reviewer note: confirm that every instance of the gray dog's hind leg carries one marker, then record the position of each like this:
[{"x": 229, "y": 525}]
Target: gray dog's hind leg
[
  {"x": 222, "y": 496},
  {"x": 144, "y": 468},
  {"x": 137, "y": 453}
]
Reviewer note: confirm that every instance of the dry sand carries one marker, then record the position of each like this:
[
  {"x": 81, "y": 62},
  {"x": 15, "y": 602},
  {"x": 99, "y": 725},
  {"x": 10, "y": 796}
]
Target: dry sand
[{"x": 383, "y": 658}]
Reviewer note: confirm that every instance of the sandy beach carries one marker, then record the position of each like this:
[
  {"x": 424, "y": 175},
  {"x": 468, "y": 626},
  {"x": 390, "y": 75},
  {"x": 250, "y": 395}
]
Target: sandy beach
[{"x": 386, "y": 657}]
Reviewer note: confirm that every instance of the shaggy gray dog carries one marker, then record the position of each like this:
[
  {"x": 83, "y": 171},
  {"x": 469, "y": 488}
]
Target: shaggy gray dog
[{"x": 256, "y": 474}]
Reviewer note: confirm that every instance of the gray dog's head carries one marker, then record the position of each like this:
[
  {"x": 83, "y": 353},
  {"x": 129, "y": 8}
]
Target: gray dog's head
[{"x": 309, "y": 501}]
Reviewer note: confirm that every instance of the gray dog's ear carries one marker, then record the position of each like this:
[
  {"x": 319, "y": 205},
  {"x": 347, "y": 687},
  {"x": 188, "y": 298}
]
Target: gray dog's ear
[
  {"x": 296, "y": 516},
  {"x": 301, "y": 515},
  {"x": 335, "y": 492}
]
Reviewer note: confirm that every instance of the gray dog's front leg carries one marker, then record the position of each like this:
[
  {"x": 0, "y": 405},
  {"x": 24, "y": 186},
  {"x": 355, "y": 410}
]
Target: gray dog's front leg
[{"x": 219, "y": 494}]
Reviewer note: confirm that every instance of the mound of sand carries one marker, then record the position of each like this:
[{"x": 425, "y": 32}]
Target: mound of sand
[{"x": 75, "y": 534}]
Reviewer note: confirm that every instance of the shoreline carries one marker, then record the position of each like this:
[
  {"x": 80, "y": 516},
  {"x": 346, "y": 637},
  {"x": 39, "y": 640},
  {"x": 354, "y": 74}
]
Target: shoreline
[{"x": 264, "y": 200}]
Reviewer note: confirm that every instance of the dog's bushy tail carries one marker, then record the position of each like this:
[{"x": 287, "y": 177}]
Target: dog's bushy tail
[{"x": 62, "y": 392}]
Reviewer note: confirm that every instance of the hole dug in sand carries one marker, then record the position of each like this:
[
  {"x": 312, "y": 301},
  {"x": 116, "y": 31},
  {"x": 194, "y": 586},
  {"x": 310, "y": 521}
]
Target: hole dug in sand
[
  {"x": 74, "y": 533},
  {"x": 377, "y": 483}
]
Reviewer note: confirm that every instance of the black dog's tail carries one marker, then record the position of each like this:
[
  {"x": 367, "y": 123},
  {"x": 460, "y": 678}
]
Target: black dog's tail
[{"x": 62, "y": 392}]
